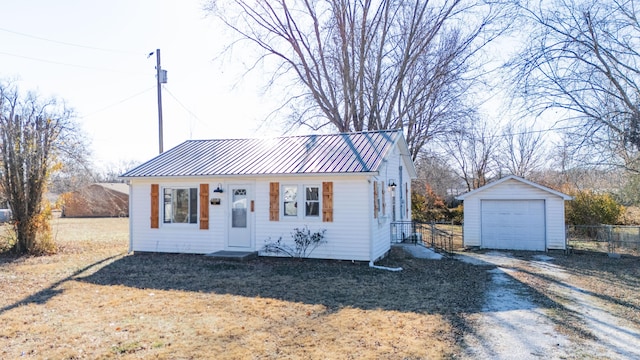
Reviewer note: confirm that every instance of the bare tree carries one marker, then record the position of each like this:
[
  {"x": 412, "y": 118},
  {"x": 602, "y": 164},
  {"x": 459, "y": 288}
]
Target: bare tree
[
  {"x": 111, "y": 172},
  {"x": 583, "y": 57},
  {"x": 434, "y": 171},
  {"x": 472, "y": 152},
  {"x": 34, "y": 133},
  {"x": 368, "y": 65},
  {"x": 522, "y": 150}
]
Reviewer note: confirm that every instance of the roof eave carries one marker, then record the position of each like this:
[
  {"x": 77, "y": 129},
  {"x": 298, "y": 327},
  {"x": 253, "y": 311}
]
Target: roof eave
[
  {"x": 517, "y": 178},
  {"x": 363, "y": 173}
]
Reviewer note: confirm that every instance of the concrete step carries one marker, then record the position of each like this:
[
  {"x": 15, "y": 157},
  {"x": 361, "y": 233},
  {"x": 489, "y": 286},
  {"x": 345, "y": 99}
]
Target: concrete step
[{"x": 233, "y": 255}]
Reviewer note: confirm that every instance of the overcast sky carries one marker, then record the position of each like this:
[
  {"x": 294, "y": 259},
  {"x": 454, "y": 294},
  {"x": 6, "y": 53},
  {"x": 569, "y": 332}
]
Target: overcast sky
[{"x": 93, "y": 54}]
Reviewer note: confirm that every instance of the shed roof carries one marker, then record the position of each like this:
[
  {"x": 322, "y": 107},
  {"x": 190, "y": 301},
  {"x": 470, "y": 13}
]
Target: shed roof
[
  {"x": 517, "y": 178},
  {"x": 119, "y": 187},
  {"x": 358, "y": 152}
]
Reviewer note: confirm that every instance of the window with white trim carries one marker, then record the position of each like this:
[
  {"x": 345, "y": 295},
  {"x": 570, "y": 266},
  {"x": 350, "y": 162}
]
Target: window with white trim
[
  {"x": 308, "y": 196},
  {"x": 180, "y": 205},
  {"x": 312, "y": 201},
  {"x": 290, "y": 200}
]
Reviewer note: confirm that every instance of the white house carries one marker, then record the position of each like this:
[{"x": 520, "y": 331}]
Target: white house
[
  {"x": 205, "y": 196},
  {"x": 516, "y": 214}
]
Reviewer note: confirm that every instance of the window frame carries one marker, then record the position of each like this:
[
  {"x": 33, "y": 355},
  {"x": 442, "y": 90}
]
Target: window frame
[
  {"x": 193, "y": 205},
  {"x": 301, "y": 202},
  {"x": 318, "y": 201},
  {"x": 284, "y": 202}
]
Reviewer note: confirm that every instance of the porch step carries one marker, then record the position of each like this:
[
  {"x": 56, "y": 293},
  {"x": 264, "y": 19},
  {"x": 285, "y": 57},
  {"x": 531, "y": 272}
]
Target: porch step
[{"x": 233, "y": 255}]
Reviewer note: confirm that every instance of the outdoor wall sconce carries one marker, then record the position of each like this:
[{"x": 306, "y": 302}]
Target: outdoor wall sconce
[
  {"x": 218, "y": 189},
  {"x": 392, "y": 184}
]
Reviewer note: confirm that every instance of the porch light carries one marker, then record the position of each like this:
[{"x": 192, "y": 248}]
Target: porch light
[
  {"x": 392, "y": 184},
  {"x": 218, "y": 189}
]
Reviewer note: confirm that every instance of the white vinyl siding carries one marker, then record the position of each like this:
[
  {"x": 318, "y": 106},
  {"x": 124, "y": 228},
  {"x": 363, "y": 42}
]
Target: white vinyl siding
[
  {"x": 174, "y": 238},
  {"x": 348, "y": 235},
  {"x": 515, "y": 190}
]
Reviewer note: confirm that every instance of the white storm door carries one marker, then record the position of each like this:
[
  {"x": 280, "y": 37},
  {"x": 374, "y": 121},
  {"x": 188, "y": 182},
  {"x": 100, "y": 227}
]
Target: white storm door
[{"x": 240, "y": 219}]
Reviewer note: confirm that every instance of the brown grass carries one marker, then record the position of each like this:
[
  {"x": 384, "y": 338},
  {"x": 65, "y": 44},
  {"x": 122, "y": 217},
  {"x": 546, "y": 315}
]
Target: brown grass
[{"x": 92, "y": 300}]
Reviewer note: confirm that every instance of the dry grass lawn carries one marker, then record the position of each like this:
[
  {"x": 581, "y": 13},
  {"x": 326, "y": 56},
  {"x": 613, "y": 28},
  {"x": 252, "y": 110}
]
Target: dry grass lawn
[{"x": 92, "y": 300}]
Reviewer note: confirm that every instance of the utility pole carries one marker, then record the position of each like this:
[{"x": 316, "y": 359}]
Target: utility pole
[{"x": 161, "y": 78}]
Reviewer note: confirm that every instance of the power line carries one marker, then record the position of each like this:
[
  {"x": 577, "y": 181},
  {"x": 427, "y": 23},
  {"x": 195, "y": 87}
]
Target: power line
[
  {"x": 184, "y": 107},
  {"x": 117, "y": 103},
  {"x": 68, "y": 43},
  {"x": 65, "y": 64}
]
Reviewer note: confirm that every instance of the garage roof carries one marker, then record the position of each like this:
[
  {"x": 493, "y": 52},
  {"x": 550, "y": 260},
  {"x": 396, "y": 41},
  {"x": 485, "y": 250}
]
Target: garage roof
[{"x": 517, "y": 178}]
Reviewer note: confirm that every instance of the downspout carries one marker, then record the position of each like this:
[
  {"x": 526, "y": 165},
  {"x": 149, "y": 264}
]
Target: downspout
[
  {"x": 371, "y": 200},
  {"x": 383, "y": 267},
  {"x": 130, "y": 222},
  {"x": 402, "y": 199}
]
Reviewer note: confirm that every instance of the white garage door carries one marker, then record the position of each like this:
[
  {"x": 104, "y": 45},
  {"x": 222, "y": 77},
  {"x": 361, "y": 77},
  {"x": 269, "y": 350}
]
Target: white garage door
[{"x": 513, "y": 224}]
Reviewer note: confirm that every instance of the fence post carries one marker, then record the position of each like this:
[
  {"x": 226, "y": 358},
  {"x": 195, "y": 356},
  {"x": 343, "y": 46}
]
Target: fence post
[{"x": 610, "y": 245}]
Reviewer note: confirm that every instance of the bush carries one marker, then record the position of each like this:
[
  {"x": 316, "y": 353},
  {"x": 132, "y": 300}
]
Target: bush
[
  {"x": 588, "y": 208},
  {"x": 304, "y": 243},
  {"x": 457, "y": 214},
  {"x": 428, "y": 207}
]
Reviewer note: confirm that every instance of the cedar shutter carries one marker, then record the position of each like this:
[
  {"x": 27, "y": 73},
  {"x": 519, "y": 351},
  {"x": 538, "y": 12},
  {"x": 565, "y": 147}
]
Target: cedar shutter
[
  {"x": 155, "y": 206},
  {"x": 384, "y": 201},
  {"x": 327, "y": 201},
  {"x": 204, "y": 206},
  {"x": 274, "y": 201},
  {"x": 406, "y": 200},
  {"x": 375, "y": 200}
]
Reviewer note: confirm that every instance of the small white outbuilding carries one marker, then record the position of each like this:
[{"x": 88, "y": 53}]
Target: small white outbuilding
[{"x": 515, "y": 214}]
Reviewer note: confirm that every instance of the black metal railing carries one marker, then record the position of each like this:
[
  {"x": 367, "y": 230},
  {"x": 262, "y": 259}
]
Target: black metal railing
[{"x": 431, "y": 235}]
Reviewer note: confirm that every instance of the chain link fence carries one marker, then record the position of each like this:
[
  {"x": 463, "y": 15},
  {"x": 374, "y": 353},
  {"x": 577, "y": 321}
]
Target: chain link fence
[{"x": 612, "y": 239}]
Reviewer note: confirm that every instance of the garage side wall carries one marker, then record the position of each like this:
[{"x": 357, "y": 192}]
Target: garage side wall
[{"x": 515, "y": 190}]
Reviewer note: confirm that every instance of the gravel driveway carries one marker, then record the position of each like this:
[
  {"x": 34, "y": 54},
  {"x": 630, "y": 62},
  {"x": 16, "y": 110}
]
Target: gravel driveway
[{"x": 513, "y": 326}]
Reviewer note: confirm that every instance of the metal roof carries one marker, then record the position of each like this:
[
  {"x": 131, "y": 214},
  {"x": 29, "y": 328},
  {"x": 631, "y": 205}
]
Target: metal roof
[{"x": 357, "y": 152}]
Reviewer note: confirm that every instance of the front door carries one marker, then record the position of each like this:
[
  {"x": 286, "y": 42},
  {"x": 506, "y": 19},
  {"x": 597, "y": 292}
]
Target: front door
[{"x": 240, "y": 219}]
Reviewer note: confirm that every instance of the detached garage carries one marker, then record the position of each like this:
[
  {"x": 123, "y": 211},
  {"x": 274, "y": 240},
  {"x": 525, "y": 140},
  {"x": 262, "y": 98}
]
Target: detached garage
[{"x": 516, "y": 214}]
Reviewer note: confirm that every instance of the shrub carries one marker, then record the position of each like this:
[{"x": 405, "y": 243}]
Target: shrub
[
  {"x": 304, "y": 243},
  {"x": 589, "y": 208},
  {"x": 457, "y": 214},
  {"x": 428, "y": 207}
]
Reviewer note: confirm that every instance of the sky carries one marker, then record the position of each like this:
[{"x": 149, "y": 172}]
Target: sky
[{"x": 94, "y": 55}]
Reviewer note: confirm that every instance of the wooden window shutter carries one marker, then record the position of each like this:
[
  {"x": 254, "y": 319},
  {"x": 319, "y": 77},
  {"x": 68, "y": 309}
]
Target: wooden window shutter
[
  {"x": 384, "y": 201},
  {"x": 375, "y": 200},
  {"x": 406, "y": 200},
  {"x": 204, "y": 206},
  {"x": 155, "y": 206},
  {"x": 274, "y": 201},
  {"x": 327, "y": 201}
]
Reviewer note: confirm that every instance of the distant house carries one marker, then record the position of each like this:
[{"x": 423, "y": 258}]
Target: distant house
[
  {"x": 97, "y": 200},
  {"x": 205, "y": 196},
  {"x": 516, "y": 214}
]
